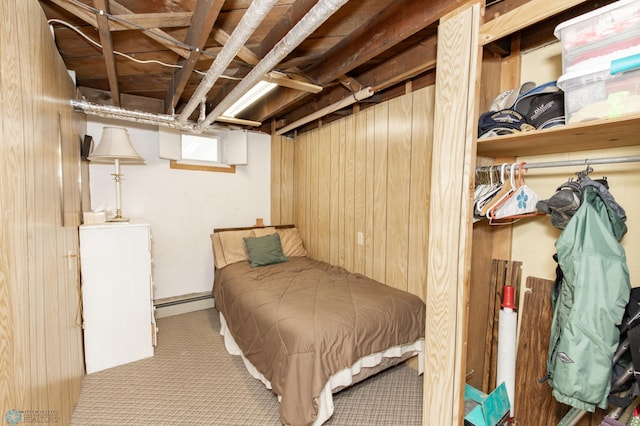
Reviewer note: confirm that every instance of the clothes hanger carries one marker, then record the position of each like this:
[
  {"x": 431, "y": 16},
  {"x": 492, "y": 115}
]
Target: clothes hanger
[
  {"x": 504, "y": 193},
  {"x": 504, "y": 188},
  {"x": 484, "y": 194},
  {"x": 519, "y": 204}
]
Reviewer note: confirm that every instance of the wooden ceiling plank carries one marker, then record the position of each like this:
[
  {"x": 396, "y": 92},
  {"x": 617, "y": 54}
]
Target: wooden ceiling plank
[
  {"x": 151, "y": 20},
  {"x": 245, "y": 54},
  {"x": 205, "y": 14},
  {"x": 107, "y": 48},
  {"x": 408, "y": 64},
  {"x": 521, "y": 17},
  {"x": 293, "y": 15},
  {"x": 284, "y": 81},
  {"x": 299, "y": 61},
  {"x": 380, "y": 33},
  {"x": 350, "y": 83},
  {"x": 155, "y": 34},
  {"x": 77, "y": 11}
]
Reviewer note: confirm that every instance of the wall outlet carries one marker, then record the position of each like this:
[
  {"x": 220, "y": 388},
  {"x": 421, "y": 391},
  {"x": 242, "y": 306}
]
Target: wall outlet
[{"x": 360, "y": 238}]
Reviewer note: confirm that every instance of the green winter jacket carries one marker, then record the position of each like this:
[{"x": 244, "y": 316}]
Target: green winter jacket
[{"x": 589, "y": 306}]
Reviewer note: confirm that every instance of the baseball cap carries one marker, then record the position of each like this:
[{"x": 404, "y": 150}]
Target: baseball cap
[
  {"x": 506, "y": 121},
  {"x": 546, "y": 110},
  {"x": 508, "y": 98},
  {"x": 523, "y": 102}
]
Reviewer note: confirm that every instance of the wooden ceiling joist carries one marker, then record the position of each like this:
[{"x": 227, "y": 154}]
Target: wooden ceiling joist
[
  {"x": 155, "y": 34},
  {"x": 392, "y": 26},
  {"x": 150, "y": 20},
  {"x": 107, "y": 48},
  {"x": 205, "y": 15}
]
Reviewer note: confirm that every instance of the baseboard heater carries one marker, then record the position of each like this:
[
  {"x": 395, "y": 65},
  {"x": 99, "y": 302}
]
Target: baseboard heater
[
  {"x": 178, "y": 300},
  {"x": 182, "y": 304}
]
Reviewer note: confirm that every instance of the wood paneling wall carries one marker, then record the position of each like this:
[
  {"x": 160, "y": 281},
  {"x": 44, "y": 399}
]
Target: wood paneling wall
[
  {"x": 367, "y": 173},
  {"x": 41, "y": 362}
]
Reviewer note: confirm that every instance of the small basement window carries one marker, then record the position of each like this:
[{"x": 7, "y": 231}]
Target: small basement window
[
  {"x": 200, "y": 148},
  {"x": 211, "y": 152}
]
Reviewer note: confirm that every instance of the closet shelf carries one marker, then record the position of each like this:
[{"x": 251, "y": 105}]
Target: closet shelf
[{"x": 599, "y": 134}]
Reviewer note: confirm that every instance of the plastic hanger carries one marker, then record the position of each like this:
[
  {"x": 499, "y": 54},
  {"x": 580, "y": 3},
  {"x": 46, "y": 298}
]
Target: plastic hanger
[
  {"x": 519, "y": 204},
  {"x": 504, "y": 189}
]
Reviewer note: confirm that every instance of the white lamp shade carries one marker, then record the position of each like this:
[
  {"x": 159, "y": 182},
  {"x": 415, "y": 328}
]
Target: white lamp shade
[{"x": 115, "y": 145}]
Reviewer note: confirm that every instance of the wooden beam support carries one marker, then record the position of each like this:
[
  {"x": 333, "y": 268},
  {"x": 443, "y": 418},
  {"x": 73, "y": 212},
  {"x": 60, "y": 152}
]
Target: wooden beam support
[
  {"x": 107, "y": 48},
  {"x": 396, "y": 23},
  {"x": 409, "y": 63},
  {"x": 77, "y": 11},
  {"x": 449, "y": 259},
  {"x": 150, "y": 20},
  {"x": 155, "y": 34},
  {"x": 284, "y": 81},
  {"x": 205, "y": 15},
  {"x": 245, "y": 54},
  {"x": 521, "y": 17}
]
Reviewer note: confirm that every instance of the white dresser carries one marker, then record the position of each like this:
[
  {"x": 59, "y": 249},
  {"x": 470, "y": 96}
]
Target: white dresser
[{"x": 117, "y": 294}]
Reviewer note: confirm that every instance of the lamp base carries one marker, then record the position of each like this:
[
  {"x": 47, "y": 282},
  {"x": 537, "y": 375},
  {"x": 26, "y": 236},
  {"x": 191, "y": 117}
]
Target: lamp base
[{"x": 117, "y": 219}]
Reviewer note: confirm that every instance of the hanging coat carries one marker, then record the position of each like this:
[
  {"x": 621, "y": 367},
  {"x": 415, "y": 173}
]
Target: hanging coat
[{"x": 589, "y": 304}]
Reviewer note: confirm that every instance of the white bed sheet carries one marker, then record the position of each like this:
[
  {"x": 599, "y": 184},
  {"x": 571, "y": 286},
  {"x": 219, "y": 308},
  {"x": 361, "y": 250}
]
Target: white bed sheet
[{"x": 340, "y": 379}]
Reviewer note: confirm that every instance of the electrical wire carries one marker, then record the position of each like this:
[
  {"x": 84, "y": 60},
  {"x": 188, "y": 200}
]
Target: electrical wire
[
  {"x": 124, "y": 55},
  {"x": 142, "y": 28}
]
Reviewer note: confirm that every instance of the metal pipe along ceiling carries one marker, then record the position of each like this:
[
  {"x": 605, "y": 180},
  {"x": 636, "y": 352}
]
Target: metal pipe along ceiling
[
  {"x": 110, "y": 111},
  {"x": 254, "y": 15},
  {"x": 308, "y": 24}
]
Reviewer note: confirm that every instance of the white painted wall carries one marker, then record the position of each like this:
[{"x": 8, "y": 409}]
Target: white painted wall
[{"x": 182, "y": 206}]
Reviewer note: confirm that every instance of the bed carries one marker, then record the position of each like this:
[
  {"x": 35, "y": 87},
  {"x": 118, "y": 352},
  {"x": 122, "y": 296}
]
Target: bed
[{"x": 305, "y": 328}]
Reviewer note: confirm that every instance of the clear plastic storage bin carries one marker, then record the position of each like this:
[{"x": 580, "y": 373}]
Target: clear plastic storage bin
[
  {"x": 605, "y": 91},
  {"x": 610, "y": 32}
]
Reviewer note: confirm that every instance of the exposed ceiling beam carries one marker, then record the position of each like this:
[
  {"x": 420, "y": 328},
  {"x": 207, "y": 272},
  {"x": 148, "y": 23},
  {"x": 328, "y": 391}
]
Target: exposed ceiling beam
[
  {"x": 251, "y": 19},
  {"x": 77, "y": 11},
  {"x": 155, "y": 34},
  {"x": 300, "y": 61},
  {"x": 117, "y": 9},
  {"x": 107, "y": 48},
  {"x": 305, "y": 27},
  {"x": 350, "y": 83},
  {"x": 293, "y": 15},
  {"x": 151, "y": 20},
  {"x": 407, "y": 64},
  {"x": 245, "y": 54},
  {"x": 204, "y": 16},
  {"x": 284, "y": 81},
  {"x": 383, "y": 31}
]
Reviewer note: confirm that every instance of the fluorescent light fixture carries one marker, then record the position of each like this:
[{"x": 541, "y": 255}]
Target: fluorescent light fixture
[{"x": 249, "y": 98}]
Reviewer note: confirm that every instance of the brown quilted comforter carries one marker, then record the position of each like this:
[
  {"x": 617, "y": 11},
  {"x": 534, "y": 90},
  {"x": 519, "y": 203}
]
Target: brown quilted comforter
[{"x": 301, "y": 321}]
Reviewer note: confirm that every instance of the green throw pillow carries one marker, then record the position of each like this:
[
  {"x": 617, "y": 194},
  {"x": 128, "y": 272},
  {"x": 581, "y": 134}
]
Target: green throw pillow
[{"x": 265, "y": 250}]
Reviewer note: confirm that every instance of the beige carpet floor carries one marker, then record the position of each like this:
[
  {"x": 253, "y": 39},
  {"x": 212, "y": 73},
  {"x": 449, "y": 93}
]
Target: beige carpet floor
[{"x": 192, "y": 380}]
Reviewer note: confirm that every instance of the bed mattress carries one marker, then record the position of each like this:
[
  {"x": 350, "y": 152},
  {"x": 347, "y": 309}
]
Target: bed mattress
[{"x": 300, "y": 322}]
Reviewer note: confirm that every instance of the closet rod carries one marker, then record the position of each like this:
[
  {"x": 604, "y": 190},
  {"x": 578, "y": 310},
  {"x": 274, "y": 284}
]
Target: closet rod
[{"x": 585, "y": 162}]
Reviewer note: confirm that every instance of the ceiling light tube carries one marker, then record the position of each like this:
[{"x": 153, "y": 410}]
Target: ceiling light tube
[
  {"x": 251, "y": 19},
  {"x": 249, "y": 98},
  {"x": 307, "y": 25}
]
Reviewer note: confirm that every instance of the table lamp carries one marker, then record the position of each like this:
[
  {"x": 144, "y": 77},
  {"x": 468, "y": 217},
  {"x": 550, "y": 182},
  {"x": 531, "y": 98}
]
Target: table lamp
[{"x": 115, "y": 147}]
